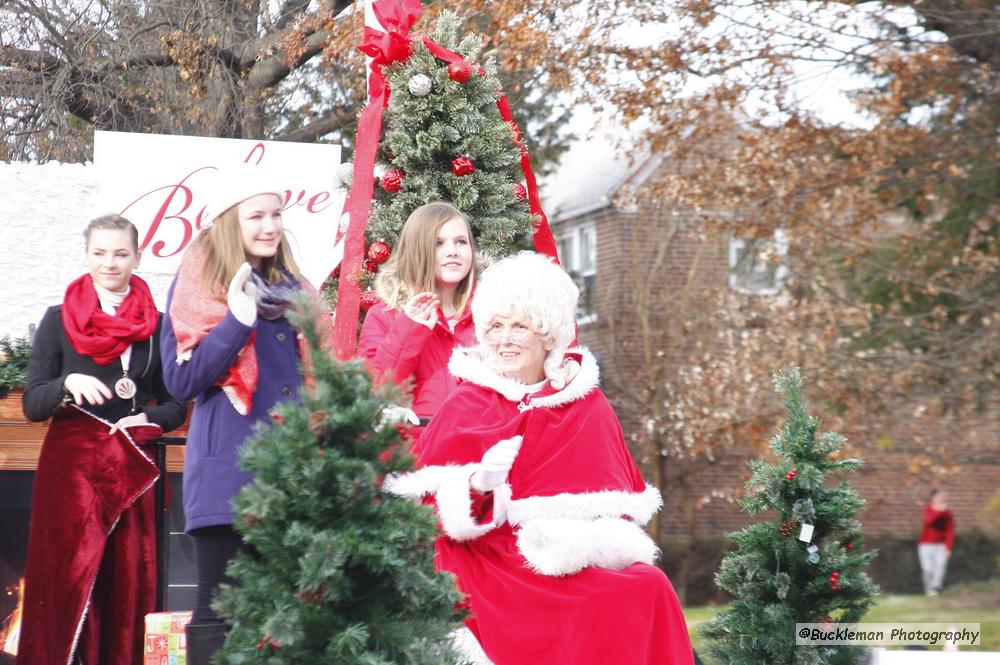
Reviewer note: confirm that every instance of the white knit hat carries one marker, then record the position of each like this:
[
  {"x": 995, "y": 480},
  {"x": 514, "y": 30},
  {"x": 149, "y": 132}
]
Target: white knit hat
[
  {"x": 532, "y": 285},
  {"x": 237, "y": 183}
]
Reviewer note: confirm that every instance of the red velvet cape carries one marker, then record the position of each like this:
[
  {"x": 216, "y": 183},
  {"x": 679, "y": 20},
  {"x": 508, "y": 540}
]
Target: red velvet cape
[{"x": 90, "y": 577}]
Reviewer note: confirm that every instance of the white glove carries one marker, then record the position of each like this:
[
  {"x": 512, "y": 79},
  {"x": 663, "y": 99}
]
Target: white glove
[
  {"x": 397, "y": 414},
  {"x": 495, "y": 465},
  {"x": 242, "y": 296},
  {"x": 86, "y": 389}
]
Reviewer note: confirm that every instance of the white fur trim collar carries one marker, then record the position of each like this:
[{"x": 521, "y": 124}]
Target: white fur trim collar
[{"x": 468, "y": 364}]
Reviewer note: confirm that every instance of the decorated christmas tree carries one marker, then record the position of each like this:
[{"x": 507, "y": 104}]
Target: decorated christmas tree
[
  {"x": 341, "y": 573},
  {"x": 446, "y": 135},
  {"x": 805, "y": 566}
]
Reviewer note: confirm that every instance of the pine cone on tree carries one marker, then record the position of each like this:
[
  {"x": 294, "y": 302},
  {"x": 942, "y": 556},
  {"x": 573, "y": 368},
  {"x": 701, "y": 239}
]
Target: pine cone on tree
[
  {"x": 318, "y": 424},
  {"x": 787, "y": 527}
]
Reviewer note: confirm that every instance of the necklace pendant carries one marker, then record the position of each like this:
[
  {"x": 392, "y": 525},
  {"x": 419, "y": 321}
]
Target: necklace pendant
[{"x": 125, "y": 388}]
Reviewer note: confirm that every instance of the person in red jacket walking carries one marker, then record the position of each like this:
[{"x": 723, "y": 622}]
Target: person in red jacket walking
[
  {"x": 425, "y": 289},
  {"x": 936, "y": 541}
]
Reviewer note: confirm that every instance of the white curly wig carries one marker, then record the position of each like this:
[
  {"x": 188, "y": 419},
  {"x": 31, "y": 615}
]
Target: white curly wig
[{"x": 535, "y": 287}]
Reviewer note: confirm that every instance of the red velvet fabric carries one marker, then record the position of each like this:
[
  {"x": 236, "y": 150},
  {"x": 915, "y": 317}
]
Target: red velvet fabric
[{"x": 90, "y": 578}]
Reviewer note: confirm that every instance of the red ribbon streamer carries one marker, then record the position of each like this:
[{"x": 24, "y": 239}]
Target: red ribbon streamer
[{"x": 386, "y": 48}]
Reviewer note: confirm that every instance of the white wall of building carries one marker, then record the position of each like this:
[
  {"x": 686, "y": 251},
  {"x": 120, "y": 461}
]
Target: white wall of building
[{"x": 43, "y": 211}]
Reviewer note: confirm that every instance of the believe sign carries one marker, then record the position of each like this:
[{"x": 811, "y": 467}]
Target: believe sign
[{"x": 163, "y": 183}]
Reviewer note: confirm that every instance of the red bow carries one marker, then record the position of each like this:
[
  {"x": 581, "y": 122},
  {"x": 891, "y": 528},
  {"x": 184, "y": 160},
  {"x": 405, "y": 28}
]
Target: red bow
[{"x": 385, "y": 48}]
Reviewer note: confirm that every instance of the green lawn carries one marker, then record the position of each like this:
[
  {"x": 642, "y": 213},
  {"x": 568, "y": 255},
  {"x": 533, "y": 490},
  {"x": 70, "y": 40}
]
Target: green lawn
[{"x": 968, "y": 603}]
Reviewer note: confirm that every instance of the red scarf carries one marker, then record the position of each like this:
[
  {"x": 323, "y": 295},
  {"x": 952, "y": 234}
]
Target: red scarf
[
  {"x": 95, "y": 333},
  {"x": 194, "y": 311}
]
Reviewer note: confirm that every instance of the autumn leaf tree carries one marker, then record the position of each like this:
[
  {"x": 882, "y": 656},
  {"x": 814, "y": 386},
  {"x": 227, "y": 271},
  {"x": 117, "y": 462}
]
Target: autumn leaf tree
[
  {"x": 282, "y": 71},
  {"x": 894, "y": 204}
]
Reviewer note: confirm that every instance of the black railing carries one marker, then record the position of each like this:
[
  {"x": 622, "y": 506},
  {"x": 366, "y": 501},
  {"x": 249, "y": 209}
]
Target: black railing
[{"x": 162, "y": 525}]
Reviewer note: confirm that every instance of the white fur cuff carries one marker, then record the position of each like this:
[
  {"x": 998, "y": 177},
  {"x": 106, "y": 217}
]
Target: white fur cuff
[
  {"x": 450, "y": 487},
  {"x": 565, "y": 546}
]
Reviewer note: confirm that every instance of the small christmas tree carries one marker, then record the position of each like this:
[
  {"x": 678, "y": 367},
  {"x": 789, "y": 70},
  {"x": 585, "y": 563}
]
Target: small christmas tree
[
  {"x": 807, "y": 565},
  {"x": 342, "y": 572},
  {"x": 444, "y": 139}
]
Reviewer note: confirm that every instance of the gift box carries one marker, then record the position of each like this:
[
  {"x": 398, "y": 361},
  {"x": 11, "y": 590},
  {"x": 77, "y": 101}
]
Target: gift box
[{"x": 165, "y": 640}]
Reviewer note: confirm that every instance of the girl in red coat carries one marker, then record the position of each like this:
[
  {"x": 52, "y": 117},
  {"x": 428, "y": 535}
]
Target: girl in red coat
[
  {"x": 540, "y": 502},
  {"x": 425, "y": 290},
  {"x": 936, "y": 541}
]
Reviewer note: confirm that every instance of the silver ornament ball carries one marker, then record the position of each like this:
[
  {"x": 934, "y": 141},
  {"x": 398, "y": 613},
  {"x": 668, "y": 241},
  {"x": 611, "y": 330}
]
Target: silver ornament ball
[
  {"x": 345, "y": 175},
  {"x": 420, "y": 85}
]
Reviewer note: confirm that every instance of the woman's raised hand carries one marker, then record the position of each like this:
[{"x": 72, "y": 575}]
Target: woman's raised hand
[
  {"x": 423, "y": 308},
  {"x": 495, "y": 465},
  {"x": 86, "y": 388},
  {"x": 242, "y": 296}
]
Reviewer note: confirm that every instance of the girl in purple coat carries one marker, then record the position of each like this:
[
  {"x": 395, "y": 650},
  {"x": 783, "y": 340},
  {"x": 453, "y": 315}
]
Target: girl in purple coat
[{"x": 228, "y": 345}]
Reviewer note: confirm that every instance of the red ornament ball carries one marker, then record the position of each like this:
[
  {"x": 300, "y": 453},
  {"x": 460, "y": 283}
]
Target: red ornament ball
[
  {"x": 379, "y": 252},
  {"x": 368, "y": 300},
  {"x": 791, "y": 474},
  {"x": 369, "y": 266},
  {"x": 849, "y": 546},
  {"x": 520, "y": 193},
  {"x": 460, "y": 71},
  {"x": 335, "y": 273},
  {"x": 392, "y": 181},
  {"x": 461, "y": 166}
]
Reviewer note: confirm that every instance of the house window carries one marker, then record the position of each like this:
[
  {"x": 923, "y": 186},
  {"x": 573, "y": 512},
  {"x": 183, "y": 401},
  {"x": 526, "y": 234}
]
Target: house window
[
  {"x": 755, "y": 265},
  {"x": 578, "y": 255}
]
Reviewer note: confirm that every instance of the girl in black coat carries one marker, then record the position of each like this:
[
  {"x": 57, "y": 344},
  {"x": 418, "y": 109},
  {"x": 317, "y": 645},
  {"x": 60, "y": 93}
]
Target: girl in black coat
[{"x": 95, "y": 370}]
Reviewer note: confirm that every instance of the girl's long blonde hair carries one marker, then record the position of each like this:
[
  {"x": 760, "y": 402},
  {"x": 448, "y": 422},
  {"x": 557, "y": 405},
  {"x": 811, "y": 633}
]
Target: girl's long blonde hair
[
  {"x": 413, "y": 266},
  {"x": 224, "y": 254}
]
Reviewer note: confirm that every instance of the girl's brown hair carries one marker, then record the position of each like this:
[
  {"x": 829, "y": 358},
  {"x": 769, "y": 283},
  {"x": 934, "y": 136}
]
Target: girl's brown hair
[
  {"x": 413, "y": 266},
  {"x": 224, "y": 254},
  {"x": 112, "y": 222}
]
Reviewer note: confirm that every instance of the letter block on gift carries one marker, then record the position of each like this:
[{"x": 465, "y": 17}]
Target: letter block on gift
[{"x": 165, "y": 639}]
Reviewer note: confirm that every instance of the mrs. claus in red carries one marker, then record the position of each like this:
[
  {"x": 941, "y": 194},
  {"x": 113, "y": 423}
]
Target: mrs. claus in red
[{"x": 540, "y": 502}]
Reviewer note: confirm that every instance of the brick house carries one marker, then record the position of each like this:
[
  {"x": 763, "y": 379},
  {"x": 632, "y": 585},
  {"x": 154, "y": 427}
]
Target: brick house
[{"x": 610, "y": 242}]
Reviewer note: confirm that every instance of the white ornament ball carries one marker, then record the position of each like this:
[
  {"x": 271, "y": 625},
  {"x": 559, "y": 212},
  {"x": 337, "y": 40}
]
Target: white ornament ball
[
  {"x": 420, "y": 85},
  {"x": 379, "y": 170},
  {"x": 345, "y": 175}
]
